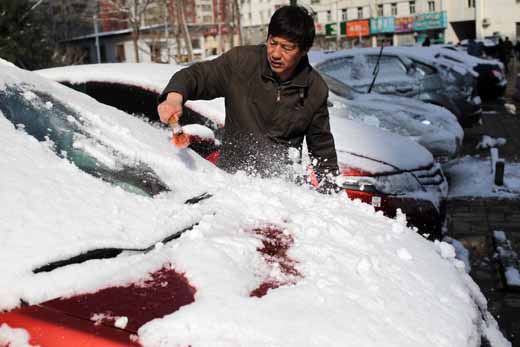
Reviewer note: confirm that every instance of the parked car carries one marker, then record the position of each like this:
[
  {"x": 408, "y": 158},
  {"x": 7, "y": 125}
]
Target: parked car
[
  {"x": 396, "y": 75},
  {"x": 432, "y": 126},
  {"x": 427, "y": 212},
  {"x": 458, "y": 80},
  {"x": 103, "y": 246},
  {"x": 491, "y": 81}
]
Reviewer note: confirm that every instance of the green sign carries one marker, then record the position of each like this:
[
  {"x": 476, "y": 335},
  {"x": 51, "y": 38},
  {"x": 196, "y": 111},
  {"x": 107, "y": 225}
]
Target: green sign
[
  {"x": 433, "y": 20},
  {"x": 330, "y": 29}
]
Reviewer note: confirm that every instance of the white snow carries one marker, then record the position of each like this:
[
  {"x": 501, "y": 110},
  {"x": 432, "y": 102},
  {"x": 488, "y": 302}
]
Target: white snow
[
  {"x": 14, "y": 337},
  {"x": 121, "y": 322},
  {"x": 366, "y": 280},
  {"x": 490, "y": 142},
  {"x": 511, "y": 108},
  {"x": 473, "y": 177}
]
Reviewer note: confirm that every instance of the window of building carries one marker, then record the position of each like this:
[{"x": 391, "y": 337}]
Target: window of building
[
  {"x": 380, "y": 10},
  {"x": 393, "y": 9},
  {"x": 431, "y": 6},
  {"x": 471, "y": 3},
  {"x": 344, "y": 16},
  {"x": 412, "y": 7},
  {"x": 329, "y": 16},
  {"x": 360, "y": 12}
]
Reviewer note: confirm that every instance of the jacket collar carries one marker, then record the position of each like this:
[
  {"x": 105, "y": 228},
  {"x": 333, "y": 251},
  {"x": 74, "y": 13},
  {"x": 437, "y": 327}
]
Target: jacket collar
[{"x": 301, "y": 74}]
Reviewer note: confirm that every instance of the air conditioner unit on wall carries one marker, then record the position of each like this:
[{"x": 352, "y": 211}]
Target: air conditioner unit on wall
[{"x": 486, "y": 22}]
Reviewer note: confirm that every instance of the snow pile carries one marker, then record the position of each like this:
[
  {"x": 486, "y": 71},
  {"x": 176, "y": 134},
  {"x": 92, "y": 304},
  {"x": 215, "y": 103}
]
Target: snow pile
[
  {"x": 473, "y": 177},
  {"x": 358, "y": 268},
  {"x": 510, "y": 108},
  {"x": 490, "y": 142},
  {"x": 10, "y": 337}
]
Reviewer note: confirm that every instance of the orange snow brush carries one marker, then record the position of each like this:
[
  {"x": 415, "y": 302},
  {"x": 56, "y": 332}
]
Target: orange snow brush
[{"x": 179, "y": 138}]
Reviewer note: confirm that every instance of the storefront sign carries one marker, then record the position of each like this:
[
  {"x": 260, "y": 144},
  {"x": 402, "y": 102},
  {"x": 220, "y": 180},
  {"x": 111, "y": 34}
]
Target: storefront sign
[
  {"x": 358, "y": 28},
  {"x": 382, "y": 25},
  {"x": 319, "y": 28},
  {"x": 404, "y": 24},
  {"x": 330, "y": 29},
  {"x": 427, "y": 21}
]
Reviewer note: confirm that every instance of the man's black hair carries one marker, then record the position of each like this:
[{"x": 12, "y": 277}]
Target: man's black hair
[{"x": 293, "y": 23}]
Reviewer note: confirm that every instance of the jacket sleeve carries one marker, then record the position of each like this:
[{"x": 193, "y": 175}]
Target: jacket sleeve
[
  {"x": 205, "y": 80},
  {"x": 320, "y": 143}
]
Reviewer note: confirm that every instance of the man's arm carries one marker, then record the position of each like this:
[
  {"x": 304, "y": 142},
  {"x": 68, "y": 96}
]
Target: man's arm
[
  {"x": 206, "y": 80},
  {"x": 321, "y": 147}
]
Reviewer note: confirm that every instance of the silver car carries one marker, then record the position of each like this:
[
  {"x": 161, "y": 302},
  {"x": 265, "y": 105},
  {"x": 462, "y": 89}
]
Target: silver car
[{"x": 395, "y": 74}]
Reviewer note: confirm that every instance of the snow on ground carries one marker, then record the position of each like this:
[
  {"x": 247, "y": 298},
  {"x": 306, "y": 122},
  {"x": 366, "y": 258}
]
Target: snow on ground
[
  {"x": 472, "y": 177},
  {"x": 366, "y": 280}
]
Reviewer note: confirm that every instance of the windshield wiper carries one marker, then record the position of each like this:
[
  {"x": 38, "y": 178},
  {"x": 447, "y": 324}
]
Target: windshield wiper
[
  {"x": 376, "y": 68},
  {"x": 106, "y": 253}
]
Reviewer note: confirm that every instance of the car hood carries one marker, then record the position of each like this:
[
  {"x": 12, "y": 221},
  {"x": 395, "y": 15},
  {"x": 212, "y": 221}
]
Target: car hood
[
  {"x": 352, "y": 264},
  {"x": 432, "y": 126},
  {"x": 374, "y": 150}
]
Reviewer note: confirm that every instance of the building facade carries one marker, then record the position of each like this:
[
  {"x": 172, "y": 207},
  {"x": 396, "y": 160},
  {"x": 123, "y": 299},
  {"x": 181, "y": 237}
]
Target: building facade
[{"x": 483, "y": 19}]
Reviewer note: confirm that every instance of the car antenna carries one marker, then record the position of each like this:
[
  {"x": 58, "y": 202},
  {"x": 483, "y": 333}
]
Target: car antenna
[{"x": 376, "y": 68}]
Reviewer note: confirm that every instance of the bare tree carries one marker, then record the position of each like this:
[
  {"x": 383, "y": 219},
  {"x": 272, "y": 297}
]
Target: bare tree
[
  {"x": 130, "y": 12},
  {"x": 180, "y": 28}
]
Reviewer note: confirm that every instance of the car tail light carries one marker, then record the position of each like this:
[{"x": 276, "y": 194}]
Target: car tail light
[{"x": 360, "y": 185}]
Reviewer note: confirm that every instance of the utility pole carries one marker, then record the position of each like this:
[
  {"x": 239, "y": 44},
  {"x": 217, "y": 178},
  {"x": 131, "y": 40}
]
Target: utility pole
[{"x": 96, "y": 34}]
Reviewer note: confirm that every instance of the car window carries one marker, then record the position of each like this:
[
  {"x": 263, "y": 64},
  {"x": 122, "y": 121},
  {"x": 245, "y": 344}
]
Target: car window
[
  {"x": 135, "y": 100},
  {"x": 389, "y": 66},
  {"x": 49, "y": 120},
  {"x": 424, "y": 68}
]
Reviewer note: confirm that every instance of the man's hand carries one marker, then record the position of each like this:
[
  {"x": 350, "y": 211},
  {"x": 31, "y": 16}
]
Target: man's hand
[{"x": 170, "y": 110}]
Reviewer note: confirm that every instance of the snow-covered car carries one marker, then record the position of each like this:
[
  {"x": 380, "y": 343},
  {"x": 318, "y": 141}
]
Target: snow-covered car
[
  {"x": 491, "y": 81},
  {"x": 395, "y": 75},
  {"x": 111, "y": 236},
  {"x": 432, "y": 126},
  {"x": 459, "y": 80},
  {"x": 422, "y": 201}
]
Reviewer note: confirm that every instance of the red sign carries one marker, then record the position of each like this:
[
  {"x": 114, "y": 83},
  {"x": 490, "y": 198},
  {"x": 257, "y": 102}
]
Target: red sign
[{"x": 358, "y": 28}]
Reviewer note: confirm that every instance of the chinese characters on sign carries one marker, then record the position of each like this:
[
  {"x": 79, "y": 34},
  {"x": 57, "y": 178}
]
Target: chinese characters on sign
[
  {"x": 358, "y": 28},
  {"x": 434, "y": 20},
  {"x": 382, "y": 25},
  {"x": 404, "y": 24}
]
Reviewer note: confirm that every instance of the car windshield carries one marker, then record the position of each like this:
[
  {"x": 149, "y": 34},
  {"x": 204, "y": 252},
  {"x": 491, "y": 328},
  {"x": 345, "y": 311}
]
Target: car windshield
[
  {"x": 67, "y": 134},
  {"x": 357, "y": 71}
]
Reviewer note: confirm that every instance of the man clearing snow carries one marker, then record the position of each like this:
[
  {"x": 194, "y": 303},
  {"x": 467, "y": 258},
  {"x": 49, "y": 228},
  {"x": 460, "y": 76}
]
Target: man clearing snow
[{"x": 274, "y": 99}]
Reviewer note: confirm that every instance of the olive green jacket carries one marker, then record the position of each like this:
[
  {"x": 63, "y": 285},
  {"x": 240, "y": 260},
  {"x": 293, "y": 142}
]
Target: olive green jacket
[{"x": 264, "y": 117}]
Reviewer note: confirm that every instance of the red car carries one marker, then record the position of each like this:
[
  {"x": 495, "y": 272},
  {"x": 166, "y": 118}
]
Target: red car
[{"x": 111, "y": 236}]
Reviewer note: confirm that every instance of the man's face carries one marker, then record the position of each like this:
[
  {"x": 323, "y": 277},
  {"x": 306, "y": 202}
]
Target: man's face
[{"x": 283, "y": 56}]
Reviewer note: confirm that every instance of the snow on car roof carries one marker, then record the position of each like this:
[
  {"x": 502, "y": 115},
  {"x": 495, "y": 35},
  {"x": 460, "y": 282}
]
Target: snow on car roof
[
  {"x": 151, "y": 76},
  {"x": 358, "y": 268}
]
